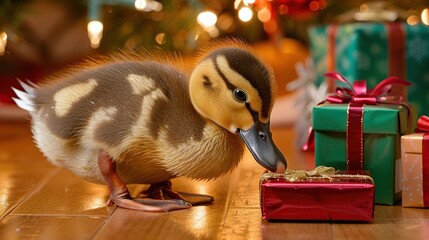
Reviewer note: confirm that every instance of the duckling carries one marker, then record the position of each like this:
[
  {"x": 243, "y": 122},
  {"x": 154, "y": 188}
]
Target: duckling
[{"x": 146, "y": 122}]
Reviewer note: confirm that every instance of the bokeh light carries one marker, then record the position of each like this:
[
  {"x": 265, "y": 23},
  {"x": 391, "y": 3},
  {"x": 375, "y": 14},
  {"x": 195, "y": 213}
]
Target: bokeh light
[
  {"x": 425, "y": 16},
  {"x": 207, "y": 19},
  {"x": 95, "y": 33},
  {"x": 245, "y": 14}
]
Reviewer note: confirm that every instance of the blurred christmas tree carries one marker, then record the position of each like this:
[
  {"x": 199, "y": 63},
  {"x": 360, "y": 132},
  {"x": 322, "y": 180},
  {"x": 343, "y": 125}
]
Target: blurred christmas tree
[
  {"x": 56, "y": 32},
  {"x": 177, "y": 24}
]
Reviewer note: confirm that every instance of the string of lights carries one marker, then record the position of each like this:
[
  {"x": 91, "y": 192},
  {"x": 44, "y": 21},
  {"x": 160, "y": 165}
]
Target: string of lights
[{"x": 211, "y": 18}]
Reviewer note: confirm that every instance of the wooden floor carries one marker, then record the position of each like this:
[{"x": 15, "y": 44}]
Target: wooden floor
[{"x": 40, "y": 201}]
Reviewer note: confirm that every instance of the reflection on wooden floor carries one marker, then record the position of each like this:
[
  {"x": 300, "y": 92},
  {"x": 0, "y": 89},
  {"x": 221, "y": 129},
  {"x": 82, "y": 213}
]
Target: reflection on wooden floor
[{"x": 40, "y": 201}]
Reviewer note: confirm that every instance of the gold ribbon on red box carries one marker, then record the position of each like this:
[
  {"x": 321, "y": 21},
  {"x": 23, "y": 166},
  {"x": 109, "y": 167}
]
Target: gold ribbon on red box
[{"x": 320, "y": 172}]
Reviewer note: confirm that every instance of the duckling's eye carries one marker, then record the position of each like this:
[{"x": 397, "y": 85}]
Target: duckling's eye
[{"x": 240, "y": 95}]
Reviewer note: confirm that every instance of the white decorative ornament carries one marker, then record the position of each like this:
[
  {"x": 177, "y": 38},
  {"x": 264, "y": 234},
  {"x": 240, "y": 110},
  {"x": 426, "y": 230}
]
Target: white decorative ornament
[{"x": 309, "y": 96}]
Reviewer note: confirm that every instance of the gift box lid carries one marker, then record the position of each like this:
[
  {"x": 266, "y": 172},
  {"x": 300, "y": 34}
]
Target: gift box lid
[
  {"x": 380, "y": 118},
  {"x": 321, "y": 181},
  {"x": 321, "y": 174},
  {"x": 412, "y": 143}
]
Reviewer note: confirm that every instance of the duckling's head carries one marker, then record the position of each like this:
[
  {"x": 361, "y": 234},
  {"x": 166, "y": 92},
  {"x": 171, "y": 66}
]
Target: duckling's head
[{"x": 234, "y": 89}]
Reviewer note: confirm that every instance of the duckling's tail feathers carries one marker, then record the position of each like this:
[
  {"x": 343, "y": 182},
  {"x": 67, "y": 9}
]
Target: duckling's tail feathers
[{"x": 25, "y": 98}]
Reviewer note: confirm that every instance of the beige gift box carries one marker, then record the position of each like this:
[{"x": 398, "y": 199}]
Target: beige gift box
[{"x": 412, "y": 173}]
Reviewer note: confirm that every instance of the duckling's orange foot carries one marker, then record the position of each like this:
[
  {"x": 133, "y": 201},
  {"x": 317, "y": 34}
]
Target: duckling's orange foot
[
  {"x": 120, "y": 195},
  {"x": 163, "y": 190},
  {"x": 150, "y": 205}
]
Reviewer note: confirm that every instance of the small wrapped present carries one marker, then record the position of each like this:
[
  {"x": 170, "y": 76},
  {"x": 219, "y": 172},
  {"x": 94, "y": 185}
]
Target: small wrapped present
[
  {"x": 357, "y": 130},
  {"x": 415, "y": 166},
  {"x": 319, "y": 194},
  {"x": 374, "y": 51}
]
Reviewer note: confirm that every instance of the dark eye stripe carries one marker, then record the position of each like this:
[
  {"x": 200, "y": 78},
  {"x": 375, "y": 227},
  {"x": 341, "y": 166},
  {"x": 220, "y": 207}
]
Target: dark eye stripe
[
  {"x": 255, "y": 114},
  {"x": 229, "y": 85},
  {"x": 254, "y": 71}
]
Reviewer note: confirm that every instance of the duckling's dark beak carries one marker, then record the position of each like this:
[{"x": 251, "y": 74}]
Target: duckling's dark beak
[{"x": 259, "y": 141}]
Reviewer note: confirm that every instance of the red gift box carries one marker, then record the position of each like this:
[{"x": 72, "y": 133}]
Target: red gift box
[{"x": 320, "y": 194}]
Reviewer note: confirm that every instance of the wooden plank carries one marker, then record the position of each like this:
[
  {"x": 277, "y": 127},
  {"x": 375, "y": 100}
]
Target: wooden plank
[
  {"x": 245, "y": 193},
  {"x": 296, "y": 230},
  {"x": 16, "y": 185},
  {"x": 247, "y": 223},
  {"x": 22, "y": 166},
  {"x": 383, "y": 230},
  {"x": 66, "y": 194},
  {"x": 50, "y": 227},
  {"x": 199, "y": 222},
  {"x": 397, "y": 212},
  {"x": 242, "y": 223}
]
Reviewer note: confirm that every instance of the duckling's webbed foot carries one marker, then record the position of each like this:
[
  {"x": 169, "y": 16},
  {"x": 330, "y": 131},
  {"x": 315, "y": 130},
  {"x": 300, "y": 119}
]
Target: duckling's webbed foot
[
  {"x": 120, "y": 195},
  {"x": 163, "y": 190}
]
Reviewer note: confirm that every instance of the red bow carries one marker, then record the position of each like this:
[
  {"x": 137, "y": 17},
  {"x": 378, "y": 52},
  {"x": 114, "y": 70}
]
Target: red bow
[
  {"x": 423, "y": 124},
  {"x": 358, "y": 93},
  {"x": 357, "y": 96}
]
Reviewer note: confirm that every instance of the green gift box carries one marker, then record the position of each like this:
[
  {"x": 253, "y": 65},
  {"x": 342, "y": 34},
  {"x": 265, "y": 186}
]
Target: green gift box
[
  {"x": 374, "y": 51},
  {"x": 382, "y": 125}
]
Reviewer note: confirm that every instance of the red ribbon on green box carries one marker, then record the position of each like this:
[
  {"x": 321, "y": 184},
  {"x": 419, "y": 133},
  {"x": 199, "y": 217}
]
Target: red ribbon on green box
[
  {"x": 423, "y": 127},
  {"x": 357, "y": 95},
  {"x": 396, "y": 50}
]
